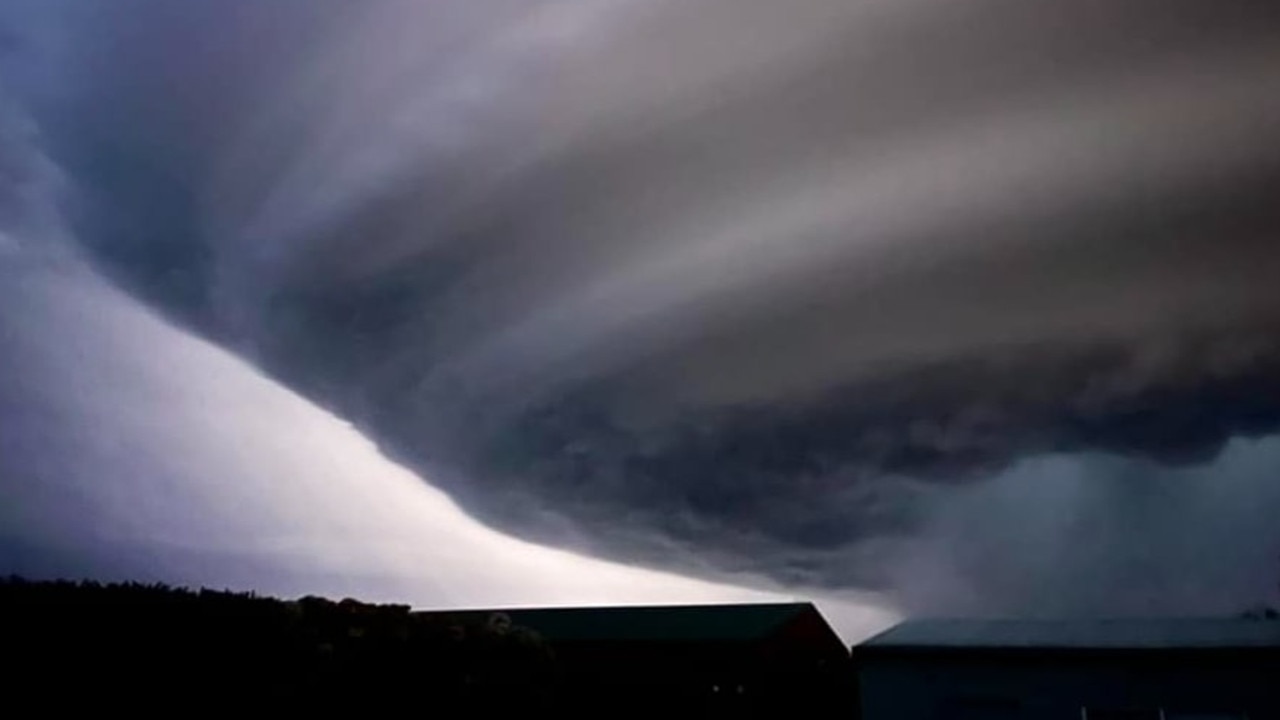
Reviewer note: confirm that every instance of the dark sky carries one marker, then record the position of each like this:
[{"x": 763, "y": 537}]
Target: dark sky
[{"x": 968, "y": 304}]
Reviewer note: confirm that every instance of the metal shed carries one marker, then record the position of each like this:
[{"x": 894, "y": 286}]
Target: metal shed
[{"x": 1171, "y": 669}]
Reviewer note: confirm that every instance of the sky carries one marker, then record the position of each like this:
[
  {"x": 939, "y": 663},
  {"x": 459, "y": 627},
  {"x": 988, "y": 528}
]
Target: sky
[{"x": 926, "y": 307}]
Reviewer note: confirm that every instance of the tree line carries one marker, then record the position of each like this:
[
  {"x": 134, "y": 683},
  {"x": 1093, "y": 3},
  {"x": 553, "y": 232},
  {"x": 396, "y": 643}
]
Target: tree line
[{"x": 126, "y": 645}]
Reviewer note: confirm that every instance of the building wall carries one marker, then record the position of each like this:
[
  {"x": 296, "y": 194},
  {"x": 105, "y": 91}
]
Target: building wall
[
  {"x": 972, "y": 687},
  {"x": 704, "y": 680}
]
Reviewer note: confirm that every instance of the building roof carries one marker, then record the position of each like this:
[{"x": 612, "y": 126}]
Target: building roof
[
  {"x": 1189, "y": 633},
  {"x": 661, "y": 622}
]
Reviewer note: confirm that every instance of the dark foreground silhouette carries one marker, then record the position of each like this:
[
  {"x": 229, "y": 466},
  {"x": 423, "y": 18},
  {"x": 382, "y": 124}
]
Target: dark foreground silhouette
[
  {"x": 150, "y": 649},
  {"x": 153, "y": 648}
]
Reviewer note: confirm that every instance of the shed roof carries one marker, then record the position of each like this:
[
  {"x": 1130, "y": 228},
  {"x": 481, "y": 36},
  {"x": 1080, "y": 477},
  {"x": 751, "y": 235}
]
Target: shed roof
[
  {"x": 662, "y": 622},
  {"x": 1173, "y": 633},
  {"x": 670, "y": 623}
]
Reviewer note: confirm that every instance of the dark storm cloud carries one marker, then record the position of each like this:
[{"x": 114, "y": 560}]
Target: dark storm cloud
[
  {"x": 811, "y": 474},
  {"x": 729, "y": 280}
]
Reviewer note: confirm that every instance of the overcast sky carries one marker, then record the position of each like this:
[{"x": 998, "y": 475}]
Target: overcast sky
[{"x": 814, "y": 296}]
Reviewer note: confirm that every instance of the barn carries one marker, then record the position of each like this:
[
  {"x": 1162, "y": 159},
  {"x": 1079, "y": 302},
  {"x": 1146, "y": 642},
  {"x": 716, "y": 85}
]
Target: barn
[
  {"x": 1176, "y": 669},
  {"x": 751, "y": 660}
]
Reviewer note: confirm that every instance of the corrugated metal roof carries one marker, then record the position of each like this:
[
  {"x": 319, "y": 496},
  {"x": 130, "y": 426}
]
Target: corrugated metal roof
[
  {"x": 661, "y": 623},
  {"x": 1081, "y": 634}
]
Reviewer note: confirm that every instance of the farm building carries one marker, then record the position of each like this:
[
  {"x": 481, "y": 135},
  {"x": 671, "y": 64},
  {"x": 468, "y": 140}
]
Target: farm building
[
  {"x": 1071, "y": 670},
  {"x": 716, "y": 660}
]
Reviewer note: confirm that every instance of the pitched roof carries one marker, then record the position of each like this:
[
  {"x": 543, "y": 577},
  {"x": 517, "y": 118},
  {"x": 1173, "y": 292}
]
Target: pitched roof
[
  {"x": 661, "y": 622},
  {"x": 1173, "y": 633}
]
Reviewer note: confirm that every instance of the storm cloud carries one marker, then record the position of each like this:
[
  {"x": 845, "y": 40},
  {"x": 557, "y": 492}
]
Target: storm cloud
[
  {"x": 130, "y": 450},
  {"x": 803, "y": 290}
]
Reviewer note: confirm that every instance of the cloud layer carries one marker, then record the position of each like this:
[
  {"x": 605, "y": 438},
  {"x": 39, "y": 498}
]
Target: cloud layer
[
  {"x": 130, "y": 450},
  {"x": 716, "y": 285}
]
